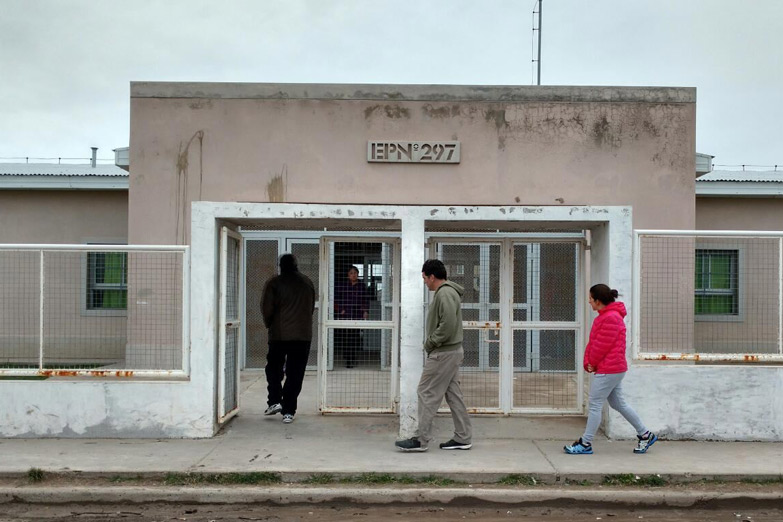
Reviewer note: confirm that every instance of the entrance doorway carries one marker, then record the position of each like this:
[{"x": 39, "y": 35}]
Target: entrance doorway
[
  {"x": 521, "y": 321},
  {"x": 355, "y": 326}
]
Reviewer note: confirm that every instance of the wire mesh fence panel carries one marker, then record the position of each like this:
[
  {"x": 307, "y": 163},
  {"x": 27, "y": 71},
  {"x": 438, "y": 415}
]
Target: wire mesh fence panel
[
  {"x": 360, "y": 289},
  {"x": 709, "y": 294},
  {"x": 102, "y": 310},
  {"x": 363, "y": 379},
  {"x": 20, "y": 309},
  {"x": 261, "y": 266},
  {"x": 155, "y": 310},
  {"x": 554, "y": 386}
]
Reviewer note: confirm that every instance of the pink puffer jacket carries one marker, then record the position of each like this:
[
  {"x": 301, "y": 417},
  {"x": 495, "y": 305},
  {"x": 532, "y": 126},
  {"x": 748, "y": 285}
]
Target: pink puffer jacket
[{"x": 605, "y": 350}]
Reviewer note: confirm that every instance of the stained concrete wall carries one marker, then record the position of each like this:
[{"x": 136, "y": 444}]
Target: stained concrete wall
[{"x": 307, "y": 143}]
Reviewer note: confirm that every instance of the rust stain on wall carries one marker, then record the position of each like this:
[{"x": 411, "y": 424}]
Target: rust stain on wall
[
  {"x": 276, "y": 188},
  {"x": 496, "y": 116},
  {"x": 394, "y": 112},
  {"x": 441, "y": 112}
]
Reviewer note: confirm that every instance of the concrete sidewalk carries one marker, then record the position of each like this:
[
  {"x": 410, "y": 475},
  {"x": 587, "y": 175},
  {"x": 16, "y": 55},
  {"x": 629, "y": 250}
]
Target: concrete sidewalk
[{"x": 350, "y": 445}]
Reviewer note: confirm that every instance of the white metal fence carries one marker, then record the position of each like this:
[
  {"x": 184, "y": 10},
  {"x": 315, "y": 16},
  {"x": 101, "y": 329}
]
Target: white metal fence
[
  {"x": 708, "y": 295},
  {"x": 94, "y": 310}
]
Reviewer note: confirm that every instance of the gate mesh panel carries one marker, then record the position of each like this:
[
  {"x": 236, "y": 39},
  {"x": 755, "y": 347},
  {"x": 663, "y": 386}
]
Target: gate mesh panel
[
  {"x": 476, "y": 267},
  {"x": 229, "y": 372},
  {"x": 553, "y": 386},
  {"x": 261, "y": 266},
  {"x": 359, "y": 359},
  {"x": 367, "y": 383},
  {"x": 307, "y": 256},
  {"x": 231, "y": 388}
]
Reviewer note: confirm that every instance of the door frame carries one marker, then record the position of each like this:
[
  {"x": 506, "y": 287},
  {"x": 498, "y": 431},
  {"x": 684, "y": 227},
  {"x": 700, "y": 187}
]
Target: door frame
[
  {"x": 506, "y": 324},
  {"x": 326, "y": 348}
]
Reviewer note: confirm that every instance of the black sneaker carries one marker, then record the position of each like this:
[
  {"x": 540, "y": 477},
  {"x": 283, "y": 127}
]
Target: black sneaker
[
  {"x": 454, "y": 445},
  {"x": 411, "y": 444}
]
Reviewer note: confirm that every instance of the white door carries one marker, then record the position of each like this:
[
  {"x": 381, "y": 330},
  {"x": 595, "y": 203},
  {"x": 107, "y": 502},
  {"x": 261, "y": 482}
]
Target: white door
[{"x": 229, "y": 324}]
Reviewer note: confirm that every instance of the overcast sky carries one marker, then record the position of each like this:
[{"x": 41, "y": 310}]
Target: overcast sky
[{"x": 65, "y": 65}]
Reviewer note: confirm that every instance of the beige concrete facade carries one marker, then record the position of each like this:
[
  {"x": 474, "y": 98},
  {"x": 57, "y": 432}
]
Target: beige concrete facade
[
  {"x": 63, "y": 216},
  {"x": 739, "y": 213},
  {"x": 308, "y": 143}
]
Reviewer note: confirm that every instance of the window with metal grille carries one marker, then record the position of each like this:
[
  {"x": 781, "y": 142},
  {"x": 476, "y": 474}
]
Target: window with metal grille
[
  {"x": 717, "y": 288},
  {"x": 107, "y": 280}
]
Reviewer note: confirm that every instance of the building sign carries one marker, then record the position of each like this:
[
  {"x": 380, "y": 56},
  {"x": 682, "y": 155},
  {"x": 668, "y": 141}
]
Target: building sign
[{"x": 413, "y": 151}]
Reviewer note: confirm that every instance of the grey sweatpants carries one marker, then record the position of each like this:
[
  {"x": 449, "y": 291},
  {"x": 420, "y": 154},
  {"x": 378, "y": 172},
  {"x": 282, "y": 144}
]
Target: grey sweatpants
[
  {"x": 608, "y": 387},
  {"x": 440, "y": 378}
]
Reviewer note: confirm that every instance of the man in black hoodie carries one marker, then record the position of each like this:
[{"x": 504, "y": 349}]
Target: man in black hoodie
[{"x": 287, "y": 305}]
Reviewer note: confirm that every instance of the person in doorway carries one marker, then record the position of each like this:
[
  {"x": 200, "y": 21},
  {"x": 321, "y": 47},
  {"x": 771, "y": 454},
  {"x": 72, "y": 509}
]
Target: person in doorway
[
  {"x": 351, "y": 303},
  {"x": 440, "y": 376},
  {"x": 287, "y": 305},
  {"x": 605, "y": 358}
]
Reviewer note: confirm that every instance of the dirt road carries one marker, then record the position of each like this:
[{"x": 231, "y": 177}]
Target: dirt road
[{"x": 344, "y": 512}]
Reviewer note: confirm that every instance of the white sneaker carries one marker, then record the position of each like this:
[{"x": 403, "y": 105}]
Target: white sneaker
[
  {"x": 273, "y": 408},
  {"x": 288, "y": 418}
]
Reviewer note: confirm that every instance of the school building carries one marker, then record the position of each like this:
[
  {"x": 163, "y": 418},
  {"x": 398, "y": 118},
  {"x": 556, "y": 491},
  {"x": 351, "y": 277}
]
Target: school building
[{"x": 130, "y": 296}]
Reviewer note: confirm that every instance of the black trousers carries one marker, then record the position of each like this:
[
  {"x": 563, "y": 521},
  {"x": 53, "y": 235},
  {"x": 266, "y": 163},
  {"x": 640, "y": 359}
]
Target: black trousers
[
  {"x": 289, "y": 357},
  {"x": 350, "y": 341}
]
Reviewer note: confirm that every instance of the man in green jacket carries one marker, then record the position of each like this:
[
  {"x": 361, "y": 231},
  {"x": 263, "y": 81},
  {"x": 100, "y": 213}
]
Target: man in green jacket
[{"x": 440, "y": 376}]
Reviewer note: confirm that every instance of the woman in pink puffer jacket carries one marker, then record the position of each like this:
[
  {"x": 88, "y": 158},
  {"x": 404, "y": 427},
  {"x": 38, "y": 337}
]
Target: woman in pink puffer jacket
[{"x": 605, "y": 357}]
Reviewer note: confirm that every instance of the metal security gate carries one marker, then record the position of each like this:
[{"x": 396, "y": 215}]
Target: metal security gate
[
  {"x": 521, "y": 321},
  {"x": 358, "y": 364},
  {"x": 229, "y": 323}
]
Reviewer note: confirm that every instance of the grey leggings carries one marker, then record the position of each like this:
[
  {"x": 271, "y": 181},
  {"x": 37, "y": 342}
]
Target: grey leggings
[{"x": 608, "y": 387}]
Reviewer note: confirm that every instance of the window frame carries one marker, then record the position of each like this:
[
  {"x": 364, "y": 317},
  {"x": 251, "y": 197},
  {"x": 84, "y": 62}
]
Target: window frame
[
  {"x": 740, "y": 315},
  {"x": 85, "y": 283}
]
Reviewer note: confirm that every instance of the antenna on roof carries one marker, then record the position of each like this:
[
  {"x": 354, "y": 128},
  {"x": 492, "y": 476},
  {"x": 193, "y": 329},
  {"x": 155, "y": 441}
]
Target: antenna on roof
[{"x": 538, "y": 61}]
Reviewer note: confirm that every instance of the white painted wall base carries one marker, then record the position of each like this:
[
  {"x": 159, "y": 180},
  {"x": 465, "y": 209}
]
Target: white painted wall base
[
  {"x": 704, "y": 402},
  {"x": 105, "y": 409}
]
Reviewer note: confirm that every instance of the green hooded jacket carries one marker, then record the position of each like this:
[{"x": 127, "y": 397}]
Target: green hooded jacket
[{"x": 444, "y": 319}]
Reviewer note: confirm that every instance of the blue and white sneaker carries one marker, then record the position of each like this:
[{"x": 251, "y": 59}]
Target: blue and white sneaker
[
  {"x": 644, "y": 443},
  {"x": 579, "y": 448}
]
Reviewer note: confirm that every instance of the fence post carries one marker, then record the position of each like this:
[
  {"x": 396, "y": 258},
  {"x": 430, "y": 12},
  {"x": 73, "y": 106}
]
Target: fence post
[
  {"x": 636, "y": 289},
  {"x": 780, "y": 296},
  {"x": 41, "y": 313}
]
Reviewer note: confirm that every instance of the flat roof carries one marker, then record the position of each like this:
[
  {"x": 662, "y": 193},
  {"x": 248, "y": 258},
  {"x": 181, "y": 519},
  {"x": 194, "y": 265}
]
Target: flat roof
[{"x": 432, "y": 93}]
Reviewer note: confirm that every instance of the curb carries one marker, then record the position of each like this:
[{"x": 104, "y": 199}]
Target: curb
[{"x": 659, "y": 497}]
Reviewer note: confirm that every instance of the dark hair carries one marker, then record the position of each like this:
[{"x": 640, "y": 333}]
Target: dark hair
[
  {"x": 603, "y": 294},
  {"x": 434, "y": 267},
  {"x": 288, "y": 264},
  {"x": 352, "y": 267}
]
